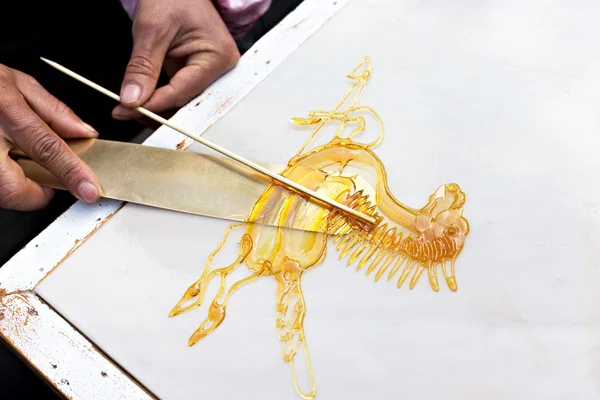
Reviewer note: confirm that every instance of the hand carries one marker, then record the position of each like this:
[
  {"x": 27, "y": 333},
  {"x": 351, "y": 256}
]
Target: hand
[
  {"x": 34, "y": 121},
  {"x": 191, "y": 39}
]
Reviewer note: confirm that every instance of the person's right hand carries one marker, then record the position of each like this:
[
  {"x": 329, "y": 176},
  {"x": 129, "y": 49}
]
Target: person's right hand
[{"x": 34, "y": 121}]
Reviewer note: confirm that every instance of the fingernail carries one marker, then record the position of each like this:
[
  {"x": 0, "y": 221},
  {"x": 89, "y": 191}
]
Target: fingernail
[
  {"x": 122, "y": 113},
  {"x": 88, "y": 192},
  {"x": 131, "y": 93},
  {"x": 49, "y": 192},
  {"x": 90, "y": 129},
  {"x": 119, "y": 113}
]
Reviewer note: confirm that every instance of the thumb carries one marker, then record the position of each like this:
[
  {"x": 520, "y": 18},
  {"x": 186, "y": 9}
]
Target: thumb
[{"x": 150, "y": 44}]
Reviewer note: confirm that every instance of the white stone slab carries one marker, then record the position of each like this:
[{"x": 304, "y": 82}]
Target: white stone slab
[{"x": 500, "y": 97}]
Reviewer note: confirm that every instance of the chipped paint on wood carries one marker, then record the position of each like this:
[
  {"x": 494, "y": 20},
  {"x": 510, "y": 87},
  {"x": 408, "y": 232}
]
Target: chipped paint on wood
[
  {"x": 28, "y": 267},
  {"x": 224, "y": 105},
  {"x": 180, "y": 145},
  {"x": 297, "y": 24},
  {"x": 64, "y": 357},
  {"x": 60, "y": 354},
  {"x": 99, "y": 223}
]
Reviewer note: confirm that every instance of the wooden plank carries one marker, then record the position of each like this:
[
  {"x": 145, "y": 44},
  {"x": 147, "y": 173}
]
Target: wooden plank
[{"x": 61, "y": 354}]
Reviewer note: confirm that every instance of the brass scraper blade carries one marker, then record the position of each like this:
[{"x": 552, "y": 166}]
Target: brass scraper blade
[{"x": 183, "y": 181}]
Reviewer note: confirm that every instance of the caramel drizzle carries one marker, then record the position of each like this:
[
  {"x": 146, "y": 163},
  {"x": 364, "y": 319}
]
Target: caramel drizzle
[{"x": 404, "y": 239}]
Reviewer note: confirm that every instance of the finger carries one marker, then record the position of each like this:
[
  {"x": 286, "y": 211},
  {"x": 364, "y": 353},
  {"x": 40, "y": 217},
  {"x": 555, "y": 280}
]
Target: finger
[
  {"x": 200, "y": 72},
  {"x": 18, "y": 192},
  {"x": 150, "y": 44},
  {"x": 171, "y": 66},
  {"x": 60, "y": 118},
  {"x": 128, "y": 115},
  {"x": 125, "y": 114},
  {"x": 30, "y": 133}
]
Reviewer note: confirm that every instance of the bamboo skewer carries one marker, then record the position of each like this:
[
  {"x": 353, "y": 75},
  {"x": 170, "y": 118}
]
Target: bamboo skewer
[{"x": 286, "y": 182}]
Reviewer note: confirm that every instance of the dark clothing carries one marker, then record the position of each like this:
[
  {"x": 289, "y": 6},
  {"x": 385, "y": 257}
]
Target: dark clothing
[{"x": 94, "y": 39}]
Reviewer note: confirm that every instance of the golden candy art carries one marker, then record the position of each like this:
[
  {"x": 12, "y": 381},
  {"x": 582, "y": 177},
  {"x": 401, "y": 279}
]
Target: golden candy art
[{"x": 404, "y": 240}]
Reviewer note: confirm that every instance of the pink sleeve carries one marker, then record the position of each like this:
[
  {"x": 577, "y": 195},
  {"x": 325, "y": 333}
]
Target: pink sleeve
[
  {"x": 238, "y": 15},
  {"x": 129, "y": 6}
]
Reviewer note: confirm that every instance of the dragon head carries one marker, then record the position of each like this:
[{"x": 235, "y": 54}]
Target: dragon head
[{"x": 442, "y": 217}]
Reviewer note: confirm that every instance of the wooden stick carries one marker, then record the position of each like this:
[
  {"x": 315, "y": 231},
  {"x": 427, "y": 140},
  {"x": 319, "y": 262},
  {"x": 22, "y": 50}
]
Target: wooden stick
[{"x": 287, "y": 182}]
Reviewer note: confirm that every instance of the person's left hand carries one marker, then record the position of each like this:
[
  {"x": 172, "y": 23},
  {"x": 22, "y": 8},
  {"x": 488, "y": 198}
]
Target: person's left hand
[{"x": 188, "y": 38}]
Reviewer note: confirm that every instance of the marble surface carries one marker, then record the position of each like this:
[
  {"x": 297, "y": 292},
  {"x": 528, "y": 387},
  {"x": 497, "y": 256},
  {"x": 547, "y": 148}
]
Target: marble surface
[{"x": 499, "y": 97}]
